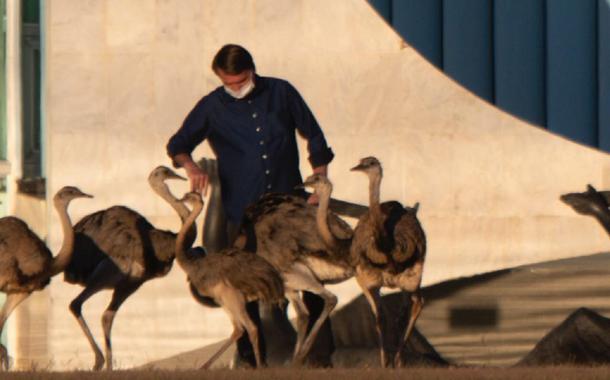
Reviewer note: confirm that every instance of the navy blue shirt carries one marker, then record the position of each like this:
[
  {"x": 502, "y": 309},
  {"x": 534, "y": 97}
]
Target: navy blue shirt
[{"x": 254, "y": 140}]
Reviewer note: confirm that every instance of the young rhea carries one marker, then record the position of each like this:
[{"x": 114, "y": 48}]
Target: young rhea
[
  {"x": 26, "y": 264},
  {"x": 231, "y": 278},
  {"x": 118, "y": 249},
  {"x": 389, "y": 245}
]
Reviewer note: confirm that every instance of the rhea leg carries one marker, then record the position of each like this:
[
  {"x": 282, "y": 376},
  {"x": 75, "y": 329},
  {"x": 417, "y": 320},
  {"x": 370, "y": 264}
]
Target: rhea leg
[
  {"x": 238, "y": 331},
  {"x": 106, "y": 275},
  {"x": 302, "y": 319},
  {"x": 119, "y": 296},
  {"x": 234, "y": 305},
  {"x": 300, "y": 277},
  {"x": 11, "y": 302},
  {"x": 374, "y": 299},
  {"x": 417, "y": 303}
]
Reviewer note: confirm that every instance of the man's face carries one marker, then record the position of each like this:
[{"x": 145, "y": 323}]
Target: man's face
[{"x": 234, "y": 82}]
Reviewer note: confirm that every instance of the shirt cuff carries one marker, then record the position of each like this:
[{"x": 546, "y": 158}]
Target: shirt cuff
[
  {"x": 174, "y": 154},
  {"x": 322, "y": 157}
]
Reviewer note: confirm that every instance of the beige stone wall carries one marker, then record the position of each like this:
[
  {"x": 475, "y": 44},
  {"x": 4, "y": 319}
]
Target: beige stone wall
[{"x": 121, "y": 76}]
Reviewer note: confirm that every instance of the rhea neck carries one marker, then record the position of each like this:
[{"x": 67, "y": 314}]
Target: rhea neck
[
  {"x": 160, "y": 187},
  {"x": 62, "y": 259},
  {"x": 322, "y": 217},
  {"x": 374, "y": 194},
  {"x": 186, "y": 225}
]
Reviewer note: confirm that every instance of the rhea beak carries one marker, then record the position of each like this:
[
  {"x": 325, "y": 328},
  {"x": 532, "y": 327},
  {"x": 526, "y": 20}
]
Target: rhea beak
[
  {"x": 358, "y": 167},
  {"x": 176, "y": 176}
]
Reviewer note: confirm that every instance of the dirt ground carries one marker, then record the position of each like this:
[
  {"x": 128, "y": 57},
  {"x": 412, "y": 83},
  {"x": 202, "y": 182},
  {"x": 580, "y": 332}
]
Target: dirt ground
[{"x": 580, "y": 373}]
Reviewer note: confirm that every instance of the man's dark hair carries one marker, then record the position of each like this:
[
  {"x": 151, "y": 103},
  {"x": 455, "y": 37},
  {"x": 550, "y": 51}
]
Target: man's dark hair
[{"x": 233, "y": 59}]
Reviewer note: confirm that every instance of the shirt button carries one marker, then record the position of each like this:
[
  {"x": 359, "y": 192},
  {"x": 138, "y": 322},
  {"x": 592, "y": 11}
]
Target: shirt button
[
  {"x": 267, "y": 172},
  {"x": 249, "y": 101},
  {"x": 268, "y": 186},
  {"x": 258, "y": 129},
  {"x": 261, "y": 142},
  {"x": 254, "y": 115},
  {"x": 264, "y": 156}
]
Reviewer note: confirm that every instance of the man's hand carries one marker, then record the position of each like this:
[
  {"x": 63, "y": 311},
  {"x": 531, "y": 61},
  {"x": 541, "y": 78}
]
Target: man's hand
[
  {"x": 197, "y": 177},
  {"x": 323, "y": 170}
]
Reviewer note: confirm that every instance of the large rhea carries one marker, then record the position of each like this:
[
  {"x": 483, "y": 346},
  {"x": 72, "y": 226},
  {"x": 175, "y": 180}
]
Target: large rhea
[
  {"x": 389, "y": 246},
  {"x": 287, "y": 237},
  {"x": 118, "y": 249},
  {"x": 26, "y": 264}
]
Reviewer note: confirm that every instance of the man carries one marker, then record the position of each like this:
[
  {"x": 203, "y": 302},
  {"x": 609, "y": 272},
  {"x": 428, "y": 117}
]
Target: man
[{"x": 250, "y": 123}]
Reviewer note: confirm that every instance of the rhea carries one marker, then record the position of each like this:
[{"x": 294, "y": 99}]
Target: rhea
[
  {"x": 287, "y": 237},
  {"x": 118, "y": 249},
  {"x": 389, "y": 246},
  {"x": 26, "y": 264},
  {"x": 591, "y": 202},
  {"x": 230, "y": 278}
]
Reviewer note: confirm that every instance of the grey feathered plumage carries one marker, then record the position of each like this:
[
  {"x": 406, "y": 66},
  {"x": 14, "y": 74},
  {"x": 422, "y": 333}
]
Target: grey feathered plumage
[{"x": 230, "y": 278}]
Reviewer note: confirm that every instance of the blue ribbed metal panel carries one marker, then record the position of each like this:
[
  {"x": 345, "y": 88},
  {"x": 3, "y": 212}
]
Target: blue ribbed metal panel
[
  {"x": 572, "y": 69},
  {"x": 384, "y": 7},
  {"x": 420, "y": 23},
  {"x": 546, "y": 61},
  {"x": 467, "y": 44},
  {"x": 519, "y": 49},
  {"x": 604, "y": 73}
]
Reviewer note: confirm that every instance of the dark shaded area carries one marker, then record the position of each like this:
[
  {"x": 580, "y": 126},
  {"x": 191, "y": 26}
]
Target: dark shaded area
[
  {"x": 360, "y": 332},
  {"x": 84, "y": 259},
  {"x": 420, "y": 353},
  {"x": 473, "y": 317},
  {"x": 214, "y": 234},
  {"x": 448, "y": 288},
  {"x": 582, "y": 339}
]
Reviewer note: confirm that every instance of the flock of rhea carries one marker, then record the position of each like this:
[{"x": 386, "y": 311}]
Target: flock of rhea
[{"x": 297, "y": 247}]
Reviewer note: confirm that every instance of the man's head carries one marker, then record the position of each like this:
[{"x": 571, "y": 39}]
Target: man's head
[{"x": 234, "y": 66}]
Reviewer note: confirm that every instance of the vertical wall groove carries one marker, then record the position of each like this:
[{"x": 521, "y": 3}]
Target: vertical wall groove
[
  {"x": 545, "y": 56},
  {"x": 597, "y": 73},
  {"x": 492, "y": 55},
  {"x": 603, "y": 67}
]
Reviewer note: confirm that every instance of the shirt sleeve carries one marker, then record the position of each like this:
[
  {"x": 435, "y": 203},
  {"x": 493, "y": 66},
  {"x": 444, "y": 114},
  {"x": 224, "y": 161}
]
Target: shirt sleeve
[
  {"x": 319, "y": 152},
  {"x": 193, "y": 131}
]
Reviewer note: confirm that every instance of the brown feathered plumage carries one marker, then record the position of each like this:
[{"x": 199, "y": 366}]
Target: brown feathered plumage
[
  {"x": 389, "y": 245},
  {"x": 396, "y": 245},
  {"x": 118, "y": 249},
  {"x": 286, "y": 231},
  {"x": 245, "y": 271},
  {"x": 26, "y": 264},
  {"x": 23, "y": 257},
  {"x": 125, "y": 237}
]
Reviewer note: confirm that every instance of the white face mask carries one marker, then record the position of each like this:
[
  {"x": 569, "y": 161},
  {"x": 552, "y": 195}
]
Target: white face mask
[{"x": 243, "y": 91}]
